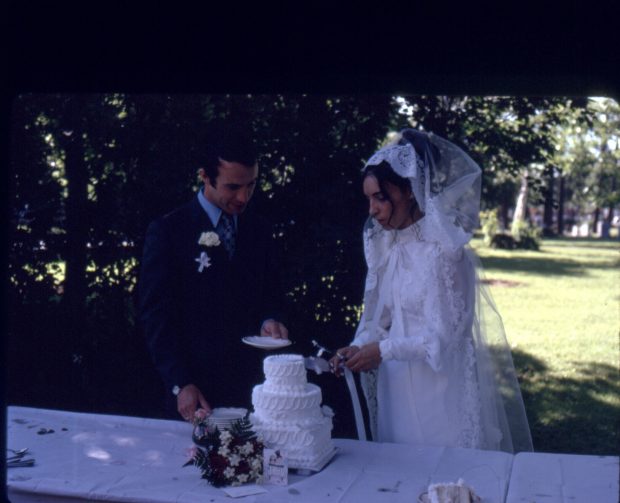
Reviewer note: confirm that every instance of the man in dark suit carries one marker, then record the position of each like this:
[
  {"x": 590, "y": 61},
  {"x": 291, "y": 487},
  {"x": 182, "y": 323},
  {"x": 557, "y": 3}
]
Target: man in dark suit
[{"x": 209, "y": 277}]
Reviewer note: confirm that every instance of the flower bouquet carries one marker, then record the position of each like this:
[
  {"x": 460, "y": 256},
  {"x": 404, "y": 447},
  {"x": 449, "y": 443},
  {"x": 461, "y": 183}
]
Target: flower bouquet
[{"x": 230, "y": 457}]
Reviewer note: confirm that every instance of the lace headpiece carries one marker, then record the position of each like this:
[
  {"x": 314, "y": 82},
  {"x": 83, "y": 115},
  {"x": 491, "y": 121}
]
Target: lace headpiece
[{"x": 445, "y": 182}]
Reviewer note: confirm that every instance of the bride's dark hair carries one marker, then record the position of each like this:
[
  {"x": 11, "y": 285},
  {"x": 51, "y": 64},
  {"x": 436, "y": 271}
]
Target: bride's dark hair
[{"x": 384, "y": 173}]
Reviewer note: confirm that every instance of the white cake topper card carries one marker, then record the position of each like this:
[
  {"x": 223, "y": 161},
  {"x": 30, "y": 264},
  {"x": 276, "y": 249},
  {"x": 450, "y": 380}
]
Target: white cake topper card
[{"x": 275, "y": 467}]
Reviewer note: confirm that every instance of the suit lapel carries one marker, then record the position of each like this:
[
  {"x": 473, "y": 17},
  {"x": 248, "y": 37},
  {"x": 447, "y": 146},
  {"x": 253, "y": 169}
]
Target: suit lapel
[{"x": 200, "y": 219}]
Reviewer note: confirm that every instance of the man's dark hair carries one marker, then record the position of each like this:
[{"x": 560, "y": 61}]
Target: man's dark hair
[{"x": 228, "y": 141}]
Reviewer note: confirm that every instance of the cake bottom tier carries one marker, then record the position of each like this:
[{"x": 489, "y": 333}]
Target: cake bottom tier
[{"x": 305, "y": 446}]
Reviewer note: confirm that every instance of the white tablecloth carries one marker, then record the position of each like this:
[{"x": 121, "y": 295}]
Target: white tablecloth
[
  {"x": 564, "y": 478},
  {"x": 117, "y": 458},
  {"x": 92, "y": 457}
]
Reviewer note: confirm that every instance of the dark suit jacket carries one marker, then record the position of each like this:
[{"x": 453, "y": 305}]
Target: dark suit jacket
[{"x": 194, "y": 321}]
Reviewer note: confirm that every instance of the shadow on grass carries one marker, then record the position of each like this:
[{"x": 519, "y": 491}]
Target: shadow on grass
[
  {"x": 590, "y": 243},
  {"x": 546, "y": 262},
  {"x": 571, "y": 415},
  {"x": 538, "y": 265}
]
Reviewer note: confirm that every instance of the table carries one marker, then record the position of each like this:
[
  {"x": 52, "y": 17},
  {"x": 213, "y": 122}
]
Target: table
[
  {"x": 127, "y": 459},
  {"x": 555, "y": 478},
  {"x": 117, "y": 458}
]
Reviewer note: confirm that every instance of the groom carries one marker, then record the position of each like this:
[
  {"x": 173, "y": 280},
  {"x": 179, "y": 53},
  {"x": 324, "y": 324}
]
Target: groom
[{"x": 207, "y": 279}]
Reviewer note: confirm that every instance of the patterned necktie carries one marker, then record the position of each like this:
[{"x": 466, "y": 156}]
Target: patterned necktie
[{"x": 226, "y": 231}]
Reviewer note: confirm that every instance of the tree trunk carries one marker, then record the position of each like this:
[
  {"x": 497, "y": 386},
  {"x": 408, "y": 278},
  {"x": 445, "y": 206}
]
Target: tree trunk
[
  {"x": 75, "y": 288},
  {"x": 610, "y": 211},
  {"x": 596, "y": 215},
  {"x": 548, "y": 209},
  {"x": 504, "y": 214},
  {"x": 609, "y": 218},
  {"x": 561, "y": 207},
  {"x": 520, "y": 208}
]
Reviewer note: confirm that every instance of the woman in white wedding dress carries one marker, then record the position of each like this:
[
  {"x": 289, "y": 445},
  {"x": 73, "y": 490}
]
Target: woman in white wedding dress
[{"x": 430, "y": 345}]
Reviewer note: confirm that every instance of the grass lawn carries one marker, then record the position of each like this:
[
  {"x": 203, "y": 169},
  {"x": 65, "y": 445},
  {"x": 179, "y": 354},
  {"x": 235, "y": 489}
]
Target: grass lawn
[{"x": 561, "y": 312}]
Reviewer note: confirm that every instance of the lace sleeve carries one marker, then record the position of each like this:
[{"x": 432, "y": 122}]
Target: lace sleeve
[
  {"x": 447, "y": 313},
  {"x": 373, "y": 244},
  {"x": 363, "y": 334}
]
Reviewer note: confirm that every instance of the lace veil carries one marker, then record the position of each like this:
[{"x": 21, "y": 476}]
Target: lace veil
[{"x": 446, "y": 184}]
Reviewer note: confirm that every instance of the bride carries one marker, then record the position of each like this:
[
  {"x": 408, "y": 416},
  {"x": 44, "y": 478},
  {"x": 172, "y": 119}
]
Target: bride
[{"x": 430, "y": 345}]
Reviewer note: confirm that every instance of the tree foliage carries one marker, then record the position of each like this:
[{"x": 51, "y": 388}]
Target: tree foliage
[
  {"x": 505, "y": 135},
  {"x": 588, "y": 156}
]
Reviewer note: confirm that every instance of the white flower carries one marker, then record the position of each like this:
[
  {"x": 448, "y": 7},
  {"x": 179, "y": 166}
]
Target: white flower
[
  {"x": 234, "y": 460},
  {"x": 223, "y": 451},
  {"x": 242, "y": 478},
  {"x": 229, "y": 472},
  {"x": 225, "y": 437},
  {"x": 203, "y": 261},
  {"x": 209, "y": 239},
  {"x": 246, "y": 449}
]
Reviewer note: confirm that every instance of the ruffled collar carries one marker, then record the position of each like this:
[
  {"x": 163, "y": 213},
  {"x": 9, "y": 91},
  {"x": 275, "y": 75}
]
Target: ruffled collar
[{"x": 414, "y": 232}]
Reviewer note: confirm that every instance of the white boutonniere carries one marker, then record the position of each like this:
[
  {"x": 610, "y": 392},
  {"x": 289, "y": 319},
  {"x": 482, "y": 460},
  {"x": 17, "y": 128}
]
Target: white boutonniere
[
  {"x": 209, "y": 239},
  {"x": 203, "y": 261}
]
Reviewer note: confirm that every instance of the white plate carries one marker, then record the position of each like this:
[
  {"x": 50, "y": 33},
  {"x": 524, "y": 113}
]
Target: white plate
[
  {"x": 224, "y": 417},
  {"x": 223, "y": 414},
  {"x": 266, "y": 342}
]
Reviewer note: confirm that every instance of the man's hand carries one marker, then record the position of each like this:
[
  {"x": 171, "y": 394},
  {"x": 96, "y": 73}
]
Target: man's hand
[
  {"x": 275, "y": 329},
  {"x": 342, "y": 355},
  {"x": 367, "y": 358},
  {"x": 187, "y": 400}
]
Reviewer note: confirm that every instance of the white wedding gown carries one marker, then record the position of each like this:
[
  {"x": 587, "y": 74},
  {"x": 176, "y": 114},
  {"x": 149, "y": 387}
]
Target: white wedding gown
[
  {"x": 419, "y": 303},
  {"x": 446, "y": 376}
]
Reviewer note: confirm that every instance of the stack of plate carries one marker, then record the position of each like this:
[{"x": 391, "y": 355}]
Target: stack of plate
[{"x": 224, "y": 417}]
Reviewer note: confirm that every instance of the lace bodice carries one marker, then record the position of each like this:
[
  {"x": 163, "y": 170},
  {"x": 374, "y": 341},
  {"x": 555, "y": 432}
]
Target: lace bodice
[{"x": 418, "y": 300}]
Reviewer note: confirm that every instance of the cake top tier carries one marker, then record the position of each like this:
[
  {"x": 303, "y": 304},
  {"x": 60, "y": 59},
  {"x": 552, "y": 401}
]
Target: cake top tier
[{"x": 285, "y": 369}]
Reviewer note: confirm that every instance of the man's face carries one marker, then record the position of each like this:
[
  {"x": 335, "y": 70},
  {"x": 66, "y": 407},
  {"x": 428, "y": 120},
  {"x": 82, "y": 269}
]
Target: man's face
[{"x": 234, "y": 186}]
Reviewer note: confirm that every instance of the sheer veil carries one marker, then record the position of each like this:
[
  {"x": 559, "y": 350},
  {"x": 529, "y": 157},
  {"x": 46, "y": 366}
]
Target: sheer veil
[
  {"x": 501, "y": 400},
  {"x": 446, "y": 184}
]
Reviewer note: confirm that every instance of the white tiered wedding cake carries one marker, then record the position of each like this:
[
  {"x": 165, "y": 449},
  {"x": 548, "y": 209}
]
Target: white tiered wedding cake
[{"x": 288, "y": 413}]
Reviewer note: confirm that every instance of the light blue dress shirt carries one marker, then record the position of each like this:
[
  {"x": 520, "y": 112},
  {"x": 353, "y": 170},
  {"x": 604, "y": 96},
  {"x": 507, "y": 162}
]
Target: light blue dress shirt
[{"x": 213, "y": 211}]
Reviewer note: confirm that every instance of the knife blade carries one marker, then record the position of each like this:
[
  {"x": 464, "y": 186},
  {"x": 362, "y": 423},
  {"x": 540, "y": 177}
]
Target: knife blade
[
  {"x": 316, "y": 364},
  {"x": 20, "y": 464}
]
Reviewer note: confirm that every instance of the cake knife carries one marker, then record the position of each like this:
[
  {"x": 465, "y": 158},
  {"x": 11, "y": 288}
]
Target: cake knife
[{"x": 316, "y": 364}]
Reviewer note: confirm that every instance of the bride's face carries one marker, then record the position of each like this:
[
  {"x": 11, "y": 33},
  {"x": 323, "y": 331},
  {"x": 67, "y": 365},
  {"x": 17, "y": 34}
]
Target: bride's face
[{"x": 392, "y": 208}]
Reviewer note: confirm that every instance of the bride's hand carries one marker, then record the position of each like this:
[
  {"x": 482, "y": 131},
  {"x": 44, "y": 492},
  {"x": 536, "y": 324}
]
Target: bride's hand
[
  {"x": 342, "y": 355},
  {"x": 367, "y": 358}
]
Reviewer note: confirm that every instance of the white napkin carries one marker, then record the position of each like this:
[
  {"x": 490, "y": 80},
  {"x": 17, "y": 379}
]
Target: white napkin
[{"x": 244, "y": 490}]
